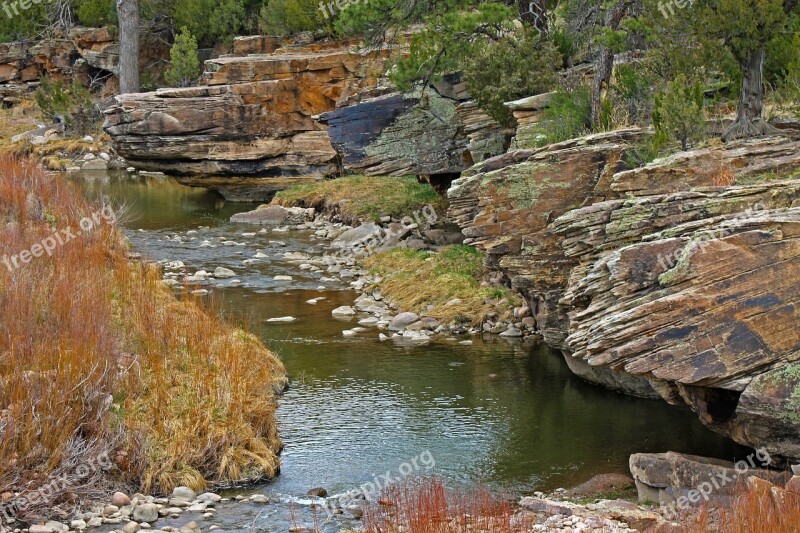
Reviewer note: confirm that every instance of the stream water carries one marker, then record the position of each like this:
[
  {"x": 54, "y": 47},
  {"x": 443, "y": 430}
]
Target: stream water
[{"x": 504, "y": 413}]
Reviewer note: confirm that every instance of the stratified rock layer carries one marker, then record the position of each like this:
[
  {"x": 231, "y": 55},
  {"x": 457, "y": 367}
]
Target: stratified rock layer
[
  {"x": 253, "y": 116},
  {"x": 691, "y": 293},
  {"x": 89, "y": 56}
]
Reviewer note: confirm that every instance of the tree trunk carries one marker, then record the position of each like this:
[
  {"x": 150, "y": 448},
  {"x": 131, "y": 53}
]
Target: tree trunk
[
  {"x": 604, "y": 64},
  {"x": 749, "y": 122},
  {"x": 128, "y": 14}
]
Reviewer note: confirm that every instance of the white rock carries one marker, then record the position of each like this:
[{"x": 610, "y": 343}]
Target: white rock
[
  {"x": 222, "y": 272},
  {"x": 344, "y": 310},
  {"x": 282, "y": 278},
  {"x": 282, "y": 319}
]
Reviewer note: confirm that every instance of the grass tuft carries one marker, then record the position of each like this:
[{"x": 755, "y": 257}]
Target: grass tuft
[
  {"x": 362, "y": 198},
  {"x": 414, "y": 280},
  {"x": 425, "y": 505}
]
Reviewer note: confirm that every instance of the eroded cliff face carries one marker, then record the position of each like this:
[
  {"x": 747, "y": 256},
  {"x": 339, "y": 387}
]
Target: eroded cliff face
[
  {"x": 657, "y": 281},
  {"x": 89, "y": 56},
  {"x": 253, "y": 116}
]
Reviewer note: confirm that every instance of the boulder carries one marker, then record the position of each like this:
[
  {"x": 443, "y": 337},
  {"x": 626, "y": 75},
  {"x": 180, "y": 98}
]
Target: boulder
[
  {"x": 403, "y": 320},
  {"x": 688, "y": 480},
  {"x": 413, "y": 132},
  {"x": 275, "y": 215},
  {"x": 183, "y": 493},
  {"x": 222, "y": 272},
  {"x": 146, "y": 512},
  {"x": 358, "y": 237},
  {"x": 120, "y": 499}
]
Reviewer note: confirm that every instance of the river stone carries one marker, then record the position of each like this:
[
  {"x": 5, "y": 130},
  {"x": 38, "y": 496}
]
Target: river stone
[
  {"x": 184, "y": 493},
  {"x": 147, "y": 512},
  {"x": 191, "y": 527},
  {"x": 95, "y": 164},
  {"x": 275, "y": 215},
  {"x": 209, "y": 497},
  {"x": 222, "y": 272},
  {"x": 282, "y": 319},
  {"x": 403, "y": 320},
  {"x": 511, "y": 332},
  {"x": 282, "y": 278},
  {"x": 344, "y": 310},
  {"x": 38, "y": 528},
  {"x": 357, "y": 236},
  {"x": 317, "y": 492},
  {"x": 131, "y": 527},
  {"x": 110, "y": 509},
  {"x": 58, "y": 527}
]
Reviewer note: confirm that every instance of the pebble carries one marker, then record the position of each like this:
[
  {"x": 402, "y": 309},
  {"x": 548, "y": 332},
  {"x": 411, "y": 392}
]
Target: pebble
[{"x": 282, "y": 278}]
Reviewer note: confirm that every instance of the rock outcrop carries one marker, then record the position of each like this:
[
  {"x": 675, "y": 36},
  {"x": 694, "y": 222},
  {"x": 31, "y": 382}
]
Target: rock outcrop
[
  {"x": 432, "y": 132},
  {"x": 252, "y": 117},
  {"x": 676, "y": 479},
  {"x": 89, "y": 56},
  {"x": 690, "y": 293}
]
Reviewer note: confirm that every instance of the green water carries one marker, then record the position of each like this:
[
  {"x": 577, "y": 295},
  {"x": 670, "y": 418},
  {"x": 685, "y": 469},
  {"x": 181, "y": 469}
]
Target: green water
[{"x": 505, "y": 413}]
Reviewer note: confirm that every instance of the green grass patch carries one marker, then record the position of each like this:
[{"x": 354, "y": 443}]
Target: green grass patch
[
  {"x": 363, "y": 198},
  {"x": 415, "y": 280}
]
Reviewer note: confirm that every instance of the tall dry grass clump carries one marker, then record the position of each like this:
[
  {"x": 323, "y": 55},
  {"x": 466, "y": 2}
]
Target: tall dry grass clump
[
  {"x": 759, "y": 507},
  {"x": 425, "y": 505},
  {"x": 97, "y": 357}
]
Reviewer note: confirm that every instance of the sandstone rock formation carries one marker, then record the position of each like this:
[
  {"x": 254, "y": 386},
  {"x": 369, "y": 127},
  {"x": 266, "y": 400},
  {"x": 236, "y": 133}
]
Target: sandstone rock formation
[
  {"x": 252, "y": 117},
  {"x": 690, "y": 293},
  {"x": 87, "y": 55}
]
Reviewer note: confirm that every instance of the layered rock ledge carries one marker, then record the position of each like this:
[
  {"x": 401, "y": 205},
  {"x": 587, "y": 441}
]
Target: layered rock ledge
[
  {"x": 252, "y": 117},
  {"x": 690, "y": 293}
]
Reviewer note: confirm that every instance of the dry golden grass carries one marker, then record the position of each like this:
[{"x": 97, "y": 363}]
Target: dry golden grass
[
  {"x": 424, "y": 505},
  {"x": 362, "y": 198},
  {"x": 757, "y": 508},
  {"x": 724, "y": 176},
  {"x": 54, "y": 153},
  {"x": 414, "y": 280},
  {"x": 96, "y": 355}
]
